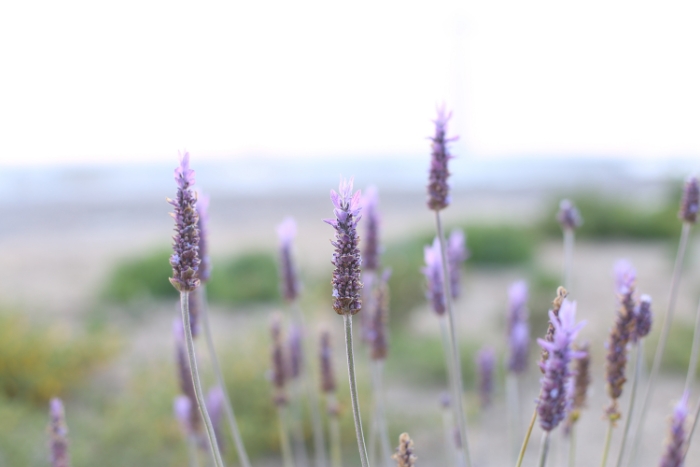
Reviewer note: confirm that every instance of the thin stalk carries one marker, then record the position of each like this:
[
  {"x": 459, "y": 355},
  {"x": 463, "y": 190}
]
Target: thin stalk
[
  {"x": 526, "y": 441},
  {"x": 513, "y": 413},
  {"x": 228, "y": 407},
  {"x": 448, "y": 426},
  {"x": 572, "y": 446},
  {"x": 320, "y": 458},
  {"x": 544, "y": 449},
  {"x": 445, "y": 334},
  {"x": 381, "y": 413},
  {"x": 287, "y": 457},
  {"x": 568, "y": 256},
  {"x": 199, "y": 395},
  {"x": 638, "y": 358},
  {"x": 456, "y": 366},
  {"x": 692, "y": 367},
  {"x": 347, "y": 321},
  {"x": 301, "y": 457},
  {"x": 336, "y": 457},
  {"x": 692, "y": 430},
  {"x": 192, "y": 451},
  {"x": 375, "y": 425},
  {"x": 606, "y": 448},
  {"x": 665, "y": 328}
]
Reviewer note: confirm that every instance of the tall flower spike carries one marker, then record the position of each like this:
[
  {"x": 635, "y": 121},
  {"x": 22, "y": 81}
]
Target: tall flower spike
[
  {"x": 568, "y": 216},
  {"x": 579, "y": 386},
  {"x": 204, "y": 270},
  {"x": 438, "y": 189},
  {"x": 185, "y": 258},
  {"x": 552, "y": 405},
  {"x": 184, "y": 375},
  {"x": 457, "y": 253},
  {"x": 549, "y": 336},
  {"x": 286, "y": 232},
  {"x": 371, "y": 251},
  {"x": 376, "y": 334},
  {"x": 433, "y": 276},
  {"x": 691, "y": 201},
  {"x": 675, "y": 450},
  {"x": 346, "y": 259},
  {"x": 643, "y": 318},
  {"x": 59, "y": 434},
  {"x": 486, "y": 365},
  {"x": 326, "y": 353},
  {"x": 296, "y": 354},
  {"x": 518, "y": 327},
  {"x": 278, "y": 375},
  {"x": 404, "y": 456}
]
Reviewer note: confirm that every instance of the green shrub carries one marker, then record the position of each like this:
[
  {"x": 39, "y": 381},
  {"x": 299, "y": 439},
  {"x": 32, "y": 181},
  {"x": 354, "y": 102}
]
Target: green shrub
[
  {"x": 141, "y": 277},
  {"x": 500, "y": 245}
]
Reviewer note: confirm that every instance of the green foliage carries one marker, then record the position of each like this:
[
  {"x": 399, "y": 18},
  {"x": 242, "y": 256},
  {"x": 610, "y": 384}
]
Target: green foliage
[
  {"x": 37, "y": 363},
  {"x": 500, "y": 245},
  {"x": 677, "y": 354},
  {"x": 141, "y": 277}
]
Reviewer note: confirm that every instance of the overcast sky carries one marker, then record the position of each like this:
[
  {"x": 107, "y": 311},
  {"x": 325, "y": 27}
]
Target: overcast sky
[{"x": 139, "y": 80}]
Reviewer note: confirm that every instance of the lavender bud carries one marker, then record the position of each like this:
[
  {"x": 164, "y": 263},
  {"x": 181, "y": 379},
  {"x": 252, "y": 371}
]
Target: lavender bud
[
  {"x": 579, "y": 386},
  {"x": 58, "y": 434},
  {"x": 517, "y": 304},
  {"x": 215, "y": 408},
  {"x": 404, "y": 456},
  {"x": 296, "y": 354},
  {"x": 691, "y": 200},
  {"x": 433, "y": 275},
  {"x": 438, "y": 189},
  {"x": 183, "y": 372},
  {"x": 370, "y": 253},
  {"x": 643, "y": 318},
  {"x": 185, "y": 259},
  {"x": 486, "y": 364},
  {"x": 204, "y": 271},
  {"x": 552, "y": 405},
  {"x": 568, "y": 216},
  {"x": 286, "y": 232},
  {"x": 457, "y": 254},
  {"x": 518, "y": 327},
  {"x": 278, "y": 375},
  {"x": 549, "y": 336},
  {"x": 346, "y": 259},
  {"x": 376, "y": 332},
  {"x": 326, "y": 353},
  {"x": 675, "y": 450}
]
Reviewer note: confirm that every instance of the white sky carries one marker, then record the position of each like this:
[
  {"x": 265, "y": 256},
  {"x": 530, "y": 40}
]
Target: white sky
[{"x": 138, "y": 80}]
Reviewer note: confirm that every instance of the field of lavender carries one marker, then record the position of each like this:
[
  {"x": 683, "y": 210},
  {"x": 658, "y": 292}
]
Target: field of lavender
[{"x": 96, "y": 345}]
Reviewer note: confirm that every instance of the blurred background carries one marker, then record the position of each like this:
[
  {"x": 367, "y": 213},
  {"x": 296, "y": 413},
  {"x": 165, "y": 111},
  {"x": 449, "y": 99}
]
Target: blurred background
[{"x": 275, "y": 101}]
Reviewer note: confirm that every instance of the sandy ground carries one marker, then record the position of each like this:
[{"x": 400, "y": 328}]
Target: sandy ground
[{"x": 55, "y": 259}]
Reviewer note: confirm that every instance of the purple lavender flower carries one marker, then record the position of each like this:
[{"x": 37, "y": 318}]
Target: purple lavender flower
[
  {"x": 346, "y": 259},
  {"x": 59, "y": 434},
  {"x": 182, "y": 408},
  {"x": 643, "y": 318},
  {"x": 578, "y": 387},
  {"x": 404, "y": 456},
  {"x": 185, "y": 259},
  {"x": 552, "y": 405},
  {"x": 675, "y": 450},
  {"x": 326, "y": 353},
  {"x": 517, "y": 304},
  {"x": 568, "y": 216},
  {"x": 286, "y": 232},
  {"x": 215, "y": 408},
  {"x": 183, "y": 373},
  {"x": 518, "y": 327},
  {"x": 370, "y": 253},
  {"x": 691, "y": 201},
  {"x": 376, "y": 332},
  {"x": 457, "y": 254},
  {"x": 433, "y": 275},
  {"x": 625, "y": 277},
  {"x": 438, "y": 189},
  {"x": 486, "y": 364},
  {"x": 204, "y": 270},
  {"x": 278, "y": 375},
  {"x": 549, "y": 335},
  {"x": 296, "y": 354}
]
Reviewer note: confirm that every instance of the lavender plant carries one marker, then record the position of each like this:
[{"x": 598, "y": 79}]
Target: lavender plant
[
  {"x": 58, "y": 431},
  {"x": 371, "y": 252},
  {"x": 486, "y": 367},
  {"x": 404, "y": 456},
  {"x": 674, "y": 455}
]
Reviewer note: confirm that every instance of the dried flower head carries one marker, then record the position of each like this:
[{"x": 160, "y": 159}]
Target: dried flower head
[
  {"x": 58, "y": 434},
  {"x": 675, "y": 449},
  {"x": 376, "y": 332},
  {"x": 346, "y": 259},
  {"x": 549, "y": 336},
  {"x": 286, "y": 232},
  {"x": 215, "y": 408},
  {"x": 185, "y": 258},
  {"x": 404, "y": 456},
  {"x": 457, "y": 254},
  {"x": 184, "y": 375},
  {"x": 296, "y": 354},
  {"x": 433, "y": 276},
  {"x": 278, "y": 374},
  {"x": 486, "y": 365},
  {"x": 691, "y": 201},
  {"x": 438, "y": 189},
  {"x": 326, "y": 353},
  {"x": 371, "y": 251},
  {"x": 552, "y": 404},
  {"x": 579, "y": 387},
  {"x": 568, "y": 216},
  {"x": 204, "y": 271}
]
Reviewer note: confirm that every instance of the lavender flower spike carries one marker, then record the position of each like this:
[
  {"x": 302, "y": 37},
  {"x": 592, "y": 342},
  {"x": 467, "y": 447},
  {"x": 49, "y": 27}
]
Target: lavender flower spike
[
  {"x": 568, "y": 216},
  {"x": 326, "y": 353},
  {"x": 517, "y": 304},
  {"x": 182, "y": 408},
  {"x": 376, "y": 332},
  {"x": 185, "y": 259},
  {"x": 346, "y": 259},
  {"x": 296, "y": 353},
  {"x": 578, "y": 389},
  {"x": 486, "y": 364},
  {"x": 59, "y": 434},
  {"x": 552, "y": 404},
  {"x": 278, "y": 374},
  {"x": 204, "y": 270},
  {"x": 518, "y": 327},
  {"x": 691, "y": 201},
  {"x": 286, "y": 232},
  {"x": 404, "y": 456},
  {"x": 433, "y": 276},
  {"x": 643, "y": 318},
  {"x": 438, "y": 189},
  {"x": 675, "y": 450},
  {"x": 371, "y": 250},
  {"x": 457, "y": 253}
]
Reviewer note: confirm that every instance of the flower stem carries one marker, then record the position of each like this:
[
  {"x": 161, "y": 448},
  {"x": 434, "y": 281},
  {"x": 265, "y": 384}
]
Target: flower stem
[
  {"x": 336, "y": 457},
  {"x": 383, "y": 431},
  {"x": 606, "y": 448},
  {"x": 287, "y": 458},
  {"x": 228, "y": 407},
  {"x": 448, "y": 426},
  {"x": 572, "y": 446},
  {"x": 192, "y": 451},
  {"x": 513, "y": 412},
  {"x": 213, "y": 445},
  {"x": 455, "y": 366},
  {"x": 347, "y": 321},
  {"x": 521, "y": 456},
  {"x": 665, "y": 328},
  {"x": 568, "y": 256},
  {"x": 639, "y": 357},
  {"x": 693, "y": 365},
  {"x": 544, "y": 449},
  {"x": 692, "y": 430}
]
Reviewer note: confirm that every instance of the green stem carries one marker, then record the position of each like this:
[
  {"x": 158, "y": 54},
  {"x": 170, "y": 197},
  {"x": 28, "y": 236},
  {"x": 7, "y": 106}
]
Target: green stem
[
  {"x": 693, "y": 365},
  {"x": 455, "y": 366},
  {"x": 287, "y": 458},
  {"x": 638, "y": 358},
  {"x": 448, "y": 427},
  {"x": 347, "y": 321},
  {"x": 513, "y": 412},
  {"x": 606, "y": 448},
  {"x": 336, "y": 457},
  {"x": 192, "y": 451},
  {"x": 544, "y": 449},
  {"x": 568, "y": 257},
  {"x": 381, "y": 412},
  {"x": 526, "y": 441},
  {"x": 218, "y": 374},
  {"x": 572, "y": 446},
  {"x": 213, "y": 445}
]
